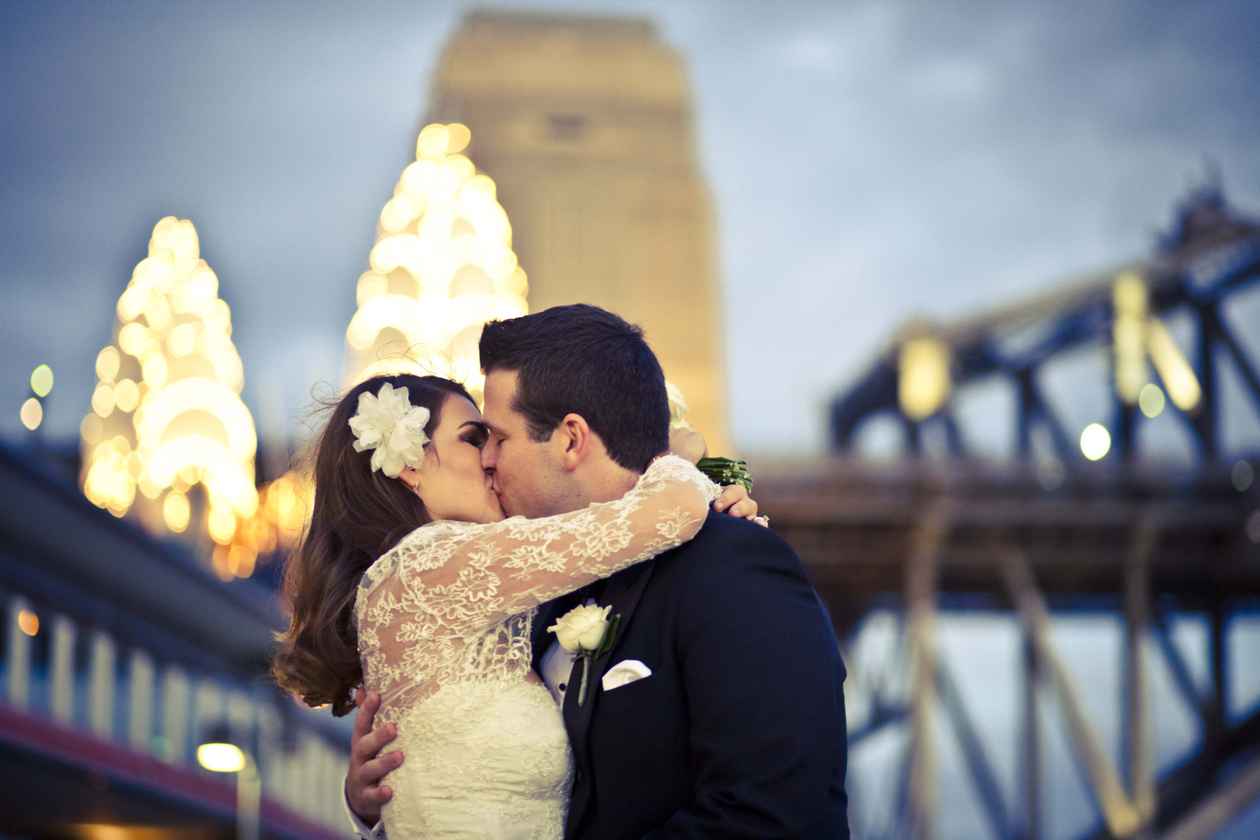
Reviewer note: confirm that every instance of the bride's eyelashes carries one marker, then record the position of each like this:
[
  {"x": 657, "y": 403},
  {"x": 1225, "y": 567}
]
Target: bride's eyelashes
[{"x": 475, "y": 436}]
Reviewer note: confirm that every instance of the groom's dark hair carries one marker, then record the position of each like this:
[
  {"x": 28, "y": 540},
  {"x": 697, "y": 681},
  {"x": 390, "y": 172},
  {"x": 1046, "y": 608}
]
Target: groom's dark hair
[{"x": 584, "y": 360}]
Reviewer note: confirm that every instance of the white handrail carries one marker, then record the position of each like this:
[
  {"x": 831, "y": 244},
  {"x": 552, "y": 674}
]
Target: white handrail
[
  {"x": 166, "y": 708},
  {"x": 18, "y": 656}
]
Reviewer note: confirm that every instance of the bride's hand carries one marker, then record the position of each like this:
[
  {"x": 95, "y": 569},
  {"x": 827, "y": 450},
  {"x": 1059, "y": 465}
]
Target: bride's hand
[
  {"x": 736, "y": 501},
  {"x": 364, "y": 792}
]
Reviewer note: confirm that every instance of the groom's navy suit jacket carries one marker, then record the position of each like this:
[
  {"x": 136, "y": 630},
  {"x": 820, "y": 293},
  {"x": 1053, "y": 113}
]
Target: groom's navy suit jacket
[{"x": 740, "y": 731}]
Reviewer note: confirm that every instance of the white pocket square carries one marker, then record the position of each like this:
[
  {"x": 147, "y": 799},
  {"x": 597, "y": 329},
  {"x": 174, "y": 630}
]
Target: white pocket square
[{"x": 624, "y": 673}]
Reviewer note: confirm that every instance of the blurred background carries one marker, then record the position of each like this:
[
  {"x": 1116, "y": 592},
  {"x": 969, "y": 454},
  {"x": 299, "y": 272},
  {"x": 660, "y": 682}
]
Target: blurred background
[{"x": 971, "y": 286}]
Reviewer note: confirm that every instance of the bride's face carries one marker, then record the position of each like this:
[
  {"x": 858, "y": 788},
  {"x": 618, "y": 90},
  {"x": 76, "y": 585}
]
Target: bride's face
[{"x": 451, "y": 483}]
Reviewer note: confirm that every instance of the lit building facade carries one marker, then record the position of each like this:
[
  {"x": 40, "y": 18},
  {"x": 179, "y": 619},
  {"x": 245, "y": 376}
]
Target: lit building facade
[{"x": 586, "y": 126}]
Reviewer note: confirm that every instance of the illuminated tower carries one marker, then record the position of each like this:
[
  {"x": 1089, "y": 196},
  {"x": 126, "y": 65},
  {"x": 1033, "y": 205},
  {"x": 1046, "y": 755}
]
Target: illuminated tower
[
  {"x": 168, "y": 435},
  {"x": 586, "y": 126},
  {"x": 442, "y": 266}
]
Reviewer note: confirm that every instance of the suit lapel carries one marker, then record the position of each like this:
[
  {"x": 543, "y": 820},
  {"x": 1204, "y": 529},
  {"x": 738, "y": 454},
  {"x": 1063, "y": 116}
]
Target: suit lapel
[{"x": 622, "y": 592}]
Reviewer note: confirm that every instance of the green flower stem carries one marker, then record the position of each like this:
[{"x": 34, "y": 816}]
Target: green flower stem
[
  {"x": 605, "y": 645},
  {"x": 726, "y": 471},
  {"x": 586, "y": 670}
]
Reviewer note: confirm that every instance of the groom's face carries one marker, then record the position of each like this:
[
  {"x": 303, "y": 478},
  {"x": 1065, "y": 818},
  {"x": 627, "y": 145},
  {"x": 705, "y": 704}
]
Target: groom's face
[{"x": 527, "y": 474}]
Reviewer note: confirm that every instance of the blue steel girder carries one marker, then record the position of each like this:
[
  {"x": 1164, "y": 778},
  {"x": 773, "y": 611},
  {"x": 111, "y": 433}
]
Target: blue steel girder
[{"x": 1174, "y": 284}]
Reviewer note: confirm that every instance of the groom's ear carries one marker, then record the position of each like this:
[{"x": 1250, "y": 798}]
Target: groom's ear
[{"x": 573, "y": 440}]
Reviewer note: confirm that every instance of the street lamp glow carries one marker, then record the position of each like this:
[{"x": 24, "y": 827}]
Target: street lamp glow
[
  {"x": 1095, "y": 441},
  {"x": 220, "y": 757},
  {"x": 28, "y": 622},
  {"x": 923, "y": 380}
]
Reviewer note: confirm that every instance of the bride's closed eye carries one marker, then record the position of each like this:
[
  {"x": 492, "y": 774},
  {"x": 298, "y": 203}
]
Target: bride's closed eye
[{"x": 475, "y": 434}]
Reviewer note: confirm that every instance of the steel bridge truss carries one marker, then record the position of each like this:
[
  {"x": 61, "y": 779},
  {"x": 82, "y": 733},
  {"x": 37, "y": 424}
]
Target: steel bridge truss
[
  {"x": 1192, "y": 802},
  {"x": 959, "y": 533},
  {"x": 1213, "y": 256}
]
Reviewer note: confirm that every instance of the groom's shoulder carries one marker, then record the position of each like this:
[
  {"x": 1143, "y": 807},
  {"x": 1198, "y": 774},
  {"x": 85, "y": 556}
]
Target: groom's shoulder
[
  {"x": 724, "y": 529},
  {"x": 734, "y": 565},
  {"x": 735, "y": 543}
]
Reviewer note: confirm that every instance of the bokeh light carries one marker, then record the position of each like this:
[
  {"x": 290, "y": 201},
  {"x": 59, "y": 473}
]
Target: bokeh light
[
  {"x": 28, "y": 622},
  {"x": 221, "y": 525},
  {"x": 1129, "y": 302},
  {"x": 167, "y": 416},
  {"x": 107, "y": 364},
  {"x": 1137, "y": 335},
  {"x": 923, "y": 380},
  {"x": 91, "y": 429},
  {"x": 221, "y": 757},
  {"x": 127, "y": 395},
  {"x": 42, "y": 381},
  {"x": 1151, "y": 400},
  {"x": 103, "y": 400},
  {"x": 1095, "y": 441},
  {"x": 31, "y": 414},
  {"x": 441, "y": 267},
  {"x": 176, "y": 511},
  {"x": 1174, "y": 369}
]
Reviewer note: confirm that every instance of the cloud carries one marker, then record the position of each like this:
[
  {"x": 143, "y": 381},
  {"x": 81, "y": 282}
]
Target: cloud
[
  {"x": 870, "y": 161},
  {"x": 811, "y": 52},
  {"x": 973, "y": 158}
]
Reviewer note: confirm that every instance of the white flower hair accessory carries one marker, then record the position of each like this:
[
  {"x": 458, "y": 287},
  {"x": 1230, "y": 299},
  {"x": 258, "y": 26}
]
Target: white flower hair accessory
[{"x": 389, "y": 424}]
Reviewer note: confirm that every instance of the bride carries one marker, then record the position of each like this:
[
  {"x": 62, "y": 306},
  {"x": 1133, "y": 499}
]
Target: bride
[{"x": 412, "y": 584}]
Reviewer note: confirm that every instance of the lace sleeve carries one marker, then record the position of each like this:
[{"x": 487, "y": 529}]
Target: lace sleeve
[{"x": 465, "y": 577}]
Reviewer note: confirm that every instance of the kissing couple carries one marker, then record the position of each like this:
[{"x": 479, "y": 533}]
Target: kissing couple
[{"x": 566, "y": 630}]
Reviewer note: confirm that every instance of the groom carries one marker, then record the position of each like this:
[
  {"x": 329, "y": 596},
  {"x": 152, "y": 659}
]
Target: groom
[{"x": 738, "y": 729}]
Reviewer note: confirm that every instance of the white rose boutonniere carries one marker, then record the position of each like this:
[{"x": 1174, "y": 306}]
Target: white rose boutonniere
[
  {"x": 588, "y": 632},
  {"x": 581, "y": 628}
]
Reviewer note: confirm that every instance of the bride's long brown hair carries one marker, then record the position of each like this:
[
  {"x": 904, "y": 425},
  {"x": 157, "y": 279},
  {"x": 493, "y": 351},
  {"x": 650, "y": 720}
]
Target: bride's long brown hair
[{"x": 358, "y": 515}]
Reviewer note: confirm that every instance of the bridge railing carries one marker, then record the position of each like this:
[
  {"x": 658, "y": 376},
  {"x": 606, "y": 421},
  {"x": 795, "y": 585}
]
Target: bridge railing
[{"x": 76, "y": 676}]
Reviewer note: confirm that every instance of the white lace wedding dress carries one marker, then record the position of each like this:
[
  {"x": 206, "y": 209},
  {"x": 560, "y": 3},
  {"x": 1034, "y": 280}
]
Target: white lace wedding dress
[{"x": 444, "y": 622}]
